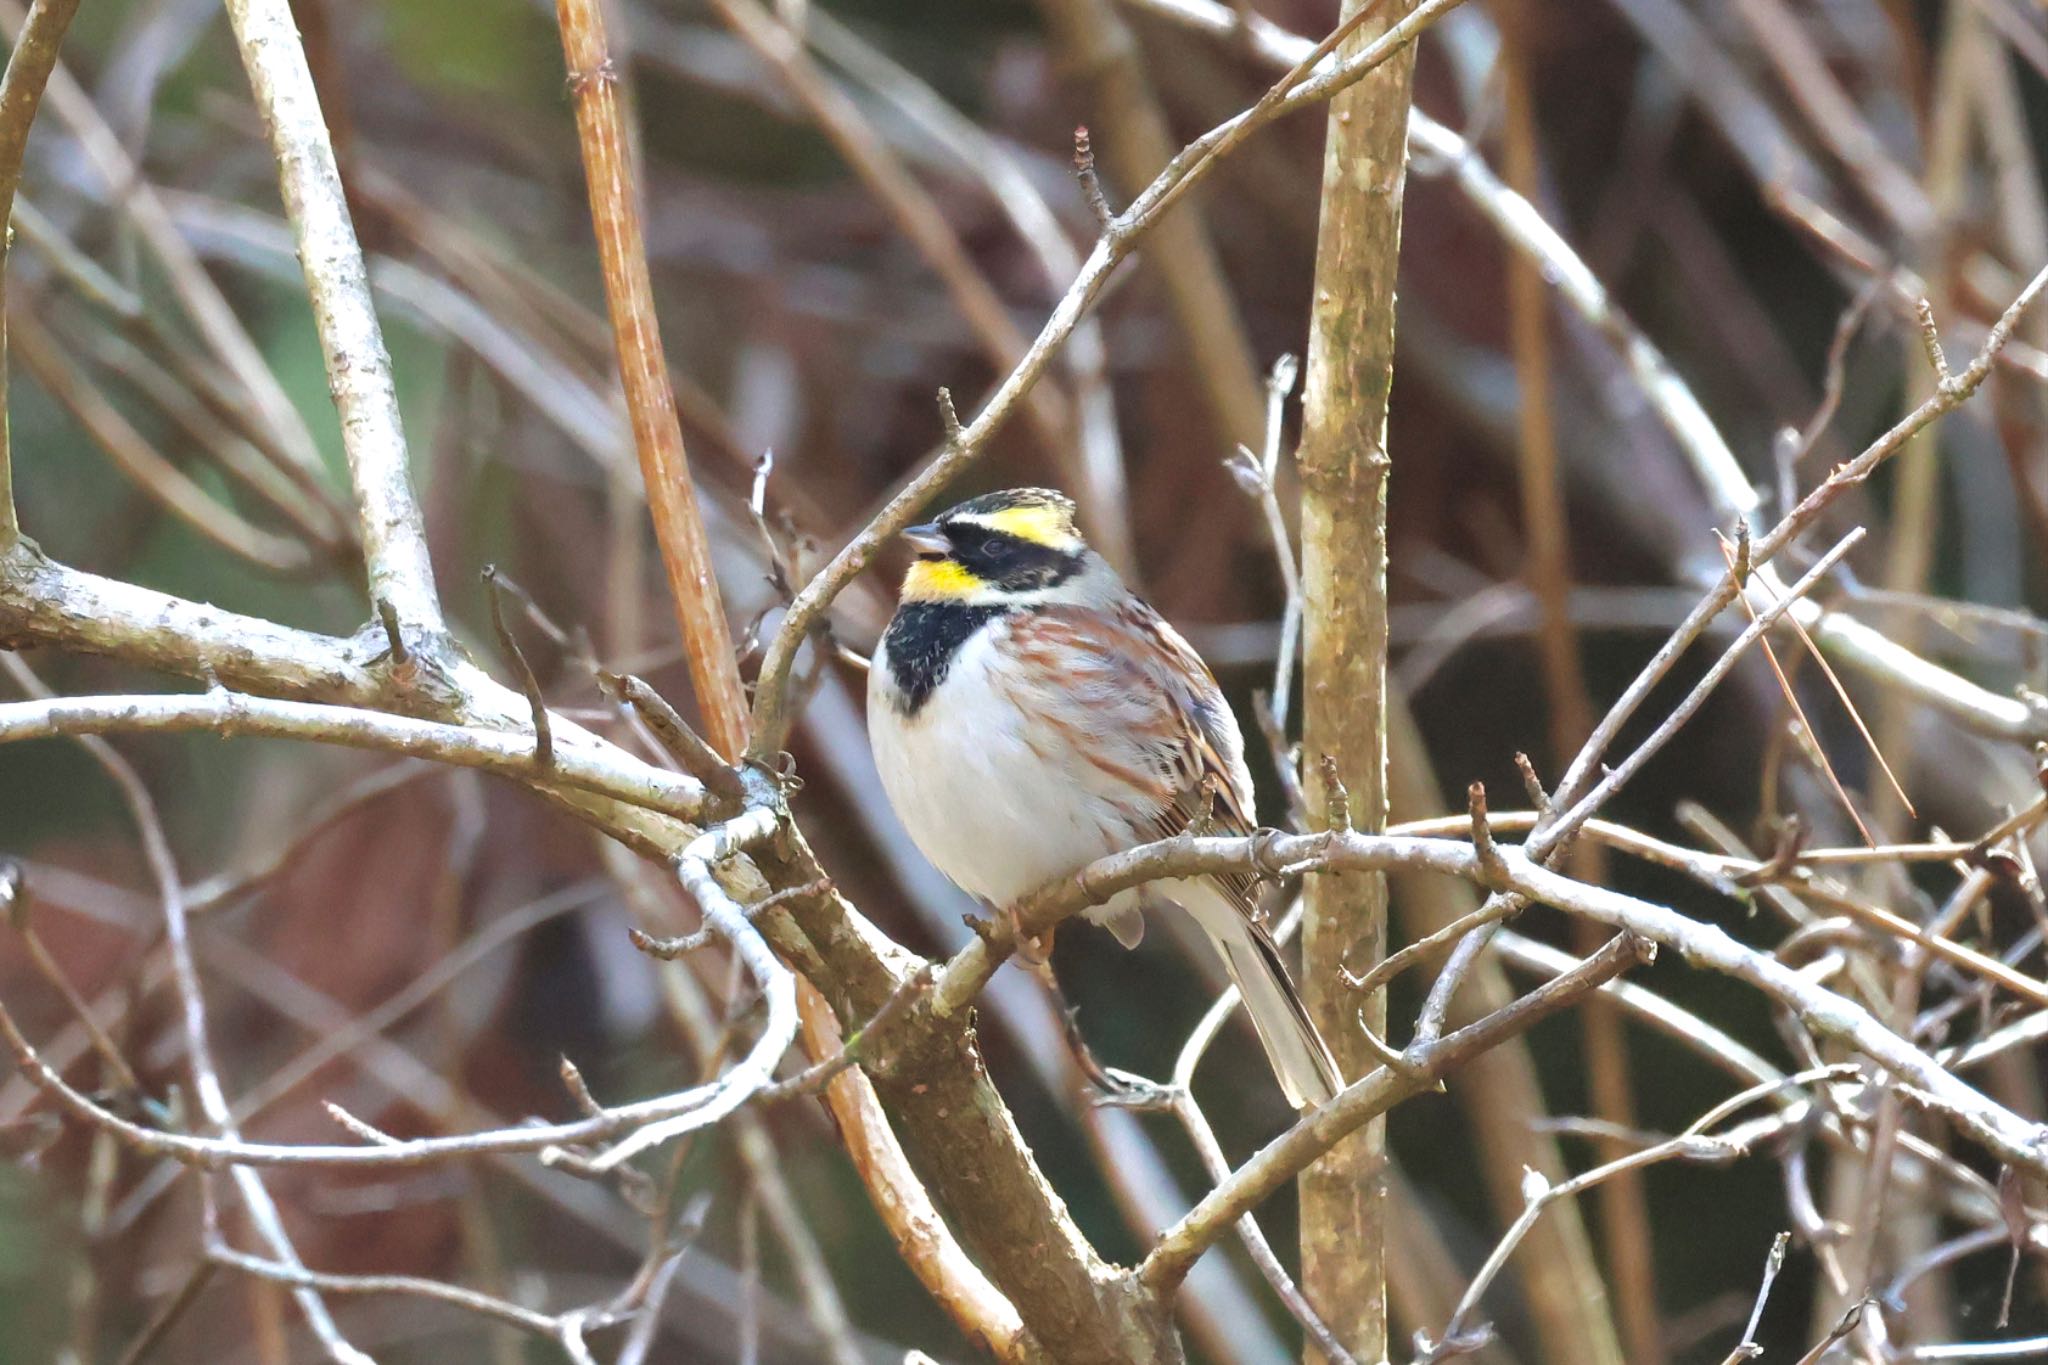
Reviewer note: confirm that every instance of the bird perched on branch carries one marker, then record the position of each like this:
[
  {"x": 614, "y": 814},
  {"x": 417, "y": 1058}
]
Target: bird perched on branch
[{"x": 1029, "y": 714}]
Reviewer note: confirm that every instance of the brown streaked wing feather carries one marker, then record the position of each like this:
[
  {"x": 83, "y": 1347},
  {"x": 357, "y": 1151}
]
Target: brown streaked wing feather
[{"x": 1163, "y": 698}]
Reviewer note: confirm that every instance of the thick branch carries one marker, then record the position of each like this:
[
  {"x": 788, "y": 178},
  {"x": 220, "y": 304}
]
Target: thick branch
[
  {"x": 43, "y": 602},
  {"x": 904, "y": 1205},
  {"x": 963, "y": 1141},
  {"x": 1344, "y": 466}
]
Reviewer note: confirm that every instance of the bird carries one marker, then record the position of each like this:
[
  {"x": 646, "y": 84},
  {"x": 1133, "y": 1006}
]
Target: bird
[{"x": 1030, "y": 714}]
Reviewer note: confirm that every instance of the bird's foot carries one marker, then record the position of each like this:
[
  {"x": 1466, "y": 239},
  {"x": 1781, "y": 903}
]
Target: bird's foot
[
  {"x": 1035, "y": 952},
  {"x": 1119, "y": 1089}
]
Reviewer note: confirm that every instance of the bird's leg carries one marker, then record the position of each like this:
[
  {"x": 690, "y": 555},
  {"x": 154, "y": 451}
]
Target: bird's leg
[
  {"x": 1113, "y": 1085},
  {"x": 1035, "y": 952}
]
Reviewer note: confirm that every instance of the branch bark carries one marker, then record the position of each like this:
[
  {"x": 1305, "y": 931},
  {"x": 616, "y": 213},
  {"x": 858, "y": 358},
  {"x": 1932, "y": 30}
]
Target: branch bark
[
  {"x": 927, "y": 1245},
  {"x": 1344, "y": 468},
  {"x": 927, "y": 1070}
]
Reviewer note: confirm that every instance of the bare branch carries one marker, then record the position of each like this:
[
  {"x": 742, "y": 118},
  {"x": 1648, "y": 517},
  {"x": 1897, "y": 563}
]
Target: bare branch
[
  {"x": 206, "y": 1084},
  {"x": 1773, "y": 1263},
  {"x": 1822, "y": 1011},
  {"x": 585, "y": 765},
  {"x": 904, "y": 1205},
  {"x": 1692, "y": 1145},
  {"x": 21, "y": 94},
  {"x": 755, "y": 1073},
  {"x": 358, "y": 367},
  {"x": 684, "y": 745},
  {"x": 439, "y": 1291},
  {"x": 543, "y": 732},
  {"x": 1278, "y": 1162}
]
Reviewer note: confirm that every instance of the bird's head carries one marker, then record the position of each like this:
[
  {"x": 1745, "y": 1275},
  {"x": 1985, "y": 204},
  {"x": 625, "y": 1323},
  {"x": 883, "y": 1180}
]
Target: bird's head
[{"x": 1019, "y": 544}]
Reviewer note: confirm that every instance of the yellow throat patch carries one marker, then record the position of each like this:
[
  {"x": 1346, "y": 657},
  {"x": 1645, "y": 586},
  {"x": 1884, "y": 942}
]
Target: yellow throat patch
[{"x": 939, "y": 580}]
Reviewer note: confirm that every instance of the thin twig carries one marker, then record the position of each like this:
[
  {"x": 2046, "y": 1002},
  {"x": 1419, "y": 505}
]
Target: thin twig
[
  {"x": 1166, "y": 1265},
  {"x": 684, "y": 744},
  {"x": 543, "y": 730},
  {"x": 1692, "y": 1145},
  {"x": 756, "y": 1071},
  {"x": 1747, "y": 1348},
  {"x": 16, "y": 906},
  {"x": 1091, "y": 180},
  {"x": 1258, "y": 475},
  {"x": 413, "y": 1286},
  {"x": 21, "y": 94},
  {"x": 820, "y": 1074}
]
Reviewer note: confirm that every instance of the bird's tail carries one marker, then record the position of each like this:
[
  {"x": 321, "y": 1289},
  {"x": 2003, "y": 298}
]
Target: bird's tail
[{"x": 1300, "y": 1058}]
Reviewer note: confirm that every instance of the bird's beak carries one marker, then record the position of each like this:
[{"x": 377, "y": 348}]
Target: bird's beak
[{"x": 927, "y": 538}]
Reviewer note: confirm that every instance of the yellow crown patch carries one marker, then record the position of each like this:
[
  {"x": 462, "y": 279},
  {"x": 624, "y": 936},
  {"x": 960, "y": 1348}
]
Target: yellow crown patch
[{"x": 1040, "y": 523}]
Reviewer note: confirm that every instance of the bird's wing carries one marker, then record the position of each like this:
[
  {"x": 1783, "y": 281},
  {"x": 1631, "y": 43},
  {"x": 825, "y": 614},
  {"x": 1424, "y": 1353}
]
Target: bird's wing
[{"x": 1145, "y": 717}]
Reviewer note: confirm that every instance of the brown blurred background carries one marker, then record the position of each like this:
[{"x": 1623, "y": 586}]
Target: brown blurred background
[{"x": 800, "y": 318}]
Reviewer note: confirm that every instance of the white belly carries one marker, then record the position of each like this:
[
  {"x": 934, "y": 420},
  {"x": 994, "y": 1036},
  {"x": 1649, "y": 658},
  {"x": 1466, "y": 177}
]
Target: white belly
[{"x": 997, "y": 816}]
